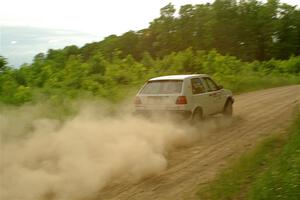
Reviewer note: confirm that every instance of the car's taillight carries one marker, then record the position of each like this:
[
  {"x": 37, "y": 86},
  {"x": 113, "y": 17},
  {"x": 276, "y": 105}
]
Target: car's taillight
[
  {"x": 137, "y": 101},
  {"x": 181, "y": 100}
]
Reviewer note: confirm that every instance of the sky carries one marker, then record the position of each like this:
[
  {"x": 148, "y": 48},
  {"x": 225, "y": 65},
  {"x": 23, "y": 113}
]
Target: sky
[
  {"x": 89, "y": 20},
  {"x": 96, "y": 17}
]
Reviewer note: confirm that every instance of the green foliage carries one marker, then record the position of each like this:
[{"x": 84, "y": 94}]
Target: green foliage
[
  {"x": 112, "y": 78},
  {"x": 3, "y": 64}
]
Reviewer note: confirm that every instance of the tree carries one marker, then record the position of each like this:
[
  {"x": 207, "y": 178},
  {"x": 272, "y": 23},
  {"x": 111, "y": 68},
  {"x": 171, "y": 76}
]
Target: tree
[
  {"x": 3, "y": 64},
  {"x": 286, "y": 37},
  {"x": 224, "y": 26},
  {"x": 164, "y": 29}
]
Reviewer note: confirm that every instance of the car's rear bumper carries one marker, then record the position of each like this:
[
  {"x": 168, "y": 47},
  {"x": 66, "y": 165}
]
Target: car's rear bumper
[{"x": 183, "y": 114}]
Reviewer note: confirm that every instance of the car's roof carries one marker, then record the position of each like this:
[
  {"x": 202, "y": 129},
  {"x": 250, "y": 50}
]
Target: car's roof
[{"x": 177, "y": 77}]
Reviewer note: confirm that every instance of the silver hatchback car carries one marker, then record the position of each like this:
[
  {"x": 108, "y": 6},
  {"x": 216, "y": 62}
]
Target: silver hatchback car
[{"x": 192, "y": 96}]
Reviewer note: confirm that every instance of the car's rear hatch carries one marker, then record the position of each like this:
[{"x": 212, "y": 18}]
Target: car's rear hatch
[{"x": 160, "y": 94}]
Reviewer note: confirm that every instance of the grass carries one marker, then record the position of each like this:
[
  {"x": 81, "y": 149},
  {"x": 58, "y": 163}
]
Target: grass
[
  {"x": 270, "y": 171},
  {"x": 282, "y": 179}
]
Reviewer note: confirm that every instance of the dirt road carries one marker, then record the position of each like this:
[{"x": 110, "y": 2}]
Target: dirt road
[{"x": 257, "y": 114}]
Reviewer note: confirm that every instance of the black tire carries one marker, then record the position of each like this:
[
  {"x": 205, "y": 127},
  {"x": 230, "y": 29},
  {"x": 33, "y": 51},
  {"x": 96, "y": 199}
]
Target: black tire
[
  {"x": 228, "y": 108},
  {"x": 197, "y": 116}
]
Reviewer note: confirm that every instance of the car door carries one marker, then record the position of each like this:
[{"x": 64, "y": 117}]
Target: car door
[
  {"x": 214, "y": 94},
  {"x": 221, "y": 96},
  {"x": 199, "y": 96}
]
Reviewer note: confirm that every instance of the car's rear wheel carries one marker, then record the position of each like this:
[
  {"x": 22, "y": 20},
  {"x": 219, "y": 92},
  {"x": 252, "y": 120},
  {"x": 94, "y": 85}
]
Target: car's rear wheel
[
  {"x": 197, "y": 116},
  {"x": 228, "y": 108}
]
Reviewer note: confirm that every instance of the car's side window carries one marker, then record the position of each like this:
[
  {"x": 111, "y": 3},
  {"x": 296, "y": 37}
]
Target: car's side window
[
  {"x": 197, "y": 86},
  {"x": 212, "y": 86}
]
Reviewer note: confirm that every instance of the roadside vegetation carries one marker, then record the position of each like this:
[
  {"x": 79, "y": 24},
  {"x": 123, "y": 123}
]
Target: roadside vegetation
[
  {"x": 48, "y": 80},
  {"x": 270, "y": 171},
  {"x": 245, "y": 45}
]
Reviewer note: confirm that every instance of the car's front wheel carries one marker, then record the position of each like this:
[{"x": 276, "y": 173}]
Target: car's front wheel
[{"x": 228, "y": 108}]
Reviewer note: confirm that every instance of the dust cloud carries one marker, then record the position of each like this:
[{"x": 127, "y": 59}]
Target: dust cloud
[{"x": 44, "y": 158}]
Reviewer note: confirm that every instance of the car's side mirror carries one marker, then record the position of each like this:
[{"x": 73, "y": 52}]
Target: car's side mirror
[{"x": 220, "y": 87}]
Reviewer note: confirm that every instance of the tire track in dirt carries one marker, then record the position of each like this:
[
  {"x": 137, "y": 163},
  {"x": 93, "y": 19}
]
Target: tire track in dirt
[{"x": 257, "y": 114}]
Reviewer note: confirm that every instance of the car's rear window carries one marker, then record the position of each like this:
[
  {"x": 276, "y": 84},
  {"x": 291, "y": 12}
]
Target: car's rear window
[{"x": 163, "y": 87}]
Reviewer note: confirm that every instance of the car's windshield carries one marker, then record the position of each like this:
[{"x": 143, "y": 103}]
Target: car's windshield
[{"x": 163, "y": 87}]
